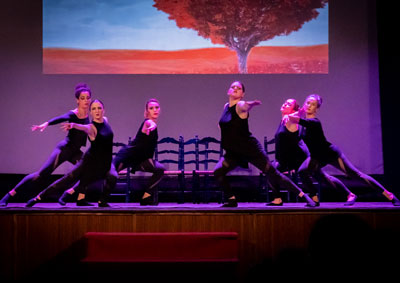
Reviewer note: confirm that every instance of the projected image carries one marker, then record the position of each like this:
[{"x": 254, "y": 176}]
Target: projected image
[{"x": 185, "y": 37}]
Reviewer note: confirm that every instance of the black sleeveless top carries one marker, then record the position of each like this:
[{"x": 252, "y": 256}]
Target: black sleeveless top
[
  {"x": 100, "y": 151},
  {"x": 313, "y": 136},
  {"x": 75, "y": 138},
  {"x": 290, "y": 151},
  {"x": 236, "y": 139},
  {"x": 144, "y": 145}
]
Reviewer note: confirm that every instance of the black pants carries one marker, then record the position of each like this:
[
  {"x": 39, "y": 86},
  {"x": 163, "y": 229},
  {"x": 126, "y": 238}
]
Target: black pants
[
  {"x": 310, "y": 166},
  {"x": 148, "y": 165},
  {"x": 60, "y": 155},
  {"x": 274, "y": 178},
  {"x": 82, "y": 175}
]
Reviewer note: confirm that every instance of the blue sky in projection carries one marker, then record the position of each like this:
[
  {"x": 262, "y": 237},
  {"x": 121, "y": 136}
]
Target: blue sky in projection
[{"x": 127, "y": 24}]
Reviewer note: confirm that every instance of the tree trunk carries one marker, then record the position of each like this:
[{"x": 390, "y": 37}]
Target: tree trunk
[{"x": 242, "y": 59}]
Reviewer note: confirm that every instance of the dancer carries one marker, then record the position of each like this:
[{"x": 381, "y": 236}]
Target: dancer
[
  {"x": 242, "y": 147},
  {"x": 66, "y": 150},
  {"x": 291, "y": 152},
  {"x": 138, "y": 155},
  {"x": 95, "y": 163},
  {"x": 322, "y": 152}
]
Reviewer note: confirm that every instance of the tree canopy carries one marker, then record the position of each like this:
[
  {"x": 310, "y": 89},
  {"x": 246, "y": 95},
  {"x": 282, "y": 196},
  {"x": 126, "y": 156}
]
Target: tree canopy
[{"x": 240, "y": 24}]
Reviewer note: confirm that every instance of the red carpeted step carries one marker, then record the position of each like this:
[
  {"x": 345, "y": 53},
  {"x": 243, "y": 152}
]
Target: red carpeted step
[{"x": 162, "y": 247}]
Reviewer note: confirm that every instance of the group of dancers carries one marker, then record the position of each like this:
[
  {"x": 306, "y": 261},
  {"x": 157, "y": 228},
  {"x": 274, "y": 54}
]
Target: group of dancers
[{"x": 300, "y": 145}]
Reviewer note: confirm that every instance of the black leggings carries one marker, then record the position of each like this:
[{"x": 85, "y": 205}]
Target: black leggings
[
  {"x": 82, "y": 175},
  {"x": 60, "y": 155},
  {"x": 148, "y": 165},
  {"x": 275, "y": 178},
  {"x": 310, "y": 166}
]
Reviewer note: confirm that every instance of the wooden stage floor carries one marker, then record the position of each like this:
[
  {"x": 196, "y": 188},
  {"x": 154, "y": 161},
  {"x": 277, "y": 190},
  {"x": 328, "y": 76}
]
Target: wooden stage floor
[{"x": 271, "y": 239}]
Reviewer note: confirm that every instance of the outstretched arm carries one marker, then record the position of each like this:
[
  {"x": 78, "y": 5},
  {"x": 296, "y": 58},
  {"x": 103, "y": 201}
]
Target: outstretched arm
[
  {"x": 246, "y": 106},
  {"x": 149, "y": 126},
  {"x": 53, "y": 121},
  {"x": 89, "y": 129},
  {"x": 243, "y": 107},
  {"x": 294, "y": 117},
  {"x": 40, "y": 127}
]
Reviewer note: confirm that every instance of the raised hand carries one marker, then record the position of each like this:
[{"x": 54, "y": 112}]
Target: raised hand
[
  {"x": 41, "y": 127},
  {"x": 67, "y": 126}
]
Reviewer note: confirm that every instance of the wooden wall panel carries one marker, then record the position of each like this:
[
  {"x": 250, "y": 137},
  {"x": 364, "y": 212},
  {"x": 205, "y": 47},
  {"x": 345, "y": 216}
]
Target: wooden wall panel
[{"x": 30, "y": 240}]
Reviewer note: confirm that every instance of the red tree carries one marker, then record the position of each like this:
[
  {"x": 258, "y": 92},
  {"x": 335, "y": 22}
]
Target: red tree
[{"x": 240, "y": 24}]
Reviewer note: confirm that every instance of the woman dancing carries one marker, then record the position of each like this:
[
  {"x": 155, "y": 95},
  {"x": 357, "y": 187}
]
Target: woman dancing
[
  {"x": 95, "y": 163},
  {"x": 322, "y": 152},
  {"x": 291, "y": 152},
  {"x": 138, "y": 155},
  {"x": 242, "y": 147},
  {"x": 66, "y": 150}
]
